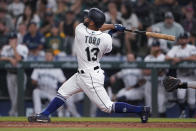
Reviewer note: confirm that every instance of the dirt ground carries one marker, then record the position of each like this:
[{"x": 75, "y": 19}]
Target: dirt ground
[{"x": 96, "y": 125}]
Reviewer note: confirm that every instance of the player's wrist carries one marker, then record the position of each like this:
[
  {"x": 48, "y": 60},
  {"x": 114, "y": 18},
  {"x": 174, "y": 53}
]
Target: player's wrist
[
  {"x": 113, "y": 26},
  {"x": 119, "y": 27},
  {"x": 183, "y": 85}
]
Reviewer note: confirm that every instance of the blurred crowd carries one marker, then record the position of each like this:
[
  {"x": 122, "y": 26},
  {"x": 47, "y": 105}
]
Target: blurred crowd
[
  {"x": 49, "y": 24},
  {"x": 30, "y": 29}
]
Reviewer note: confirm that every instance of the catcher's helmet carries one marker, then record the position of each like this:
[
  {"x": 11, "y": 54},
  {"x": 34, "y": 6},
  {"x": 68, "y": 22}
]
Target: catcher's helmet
[{"x": 97, "y": 16}]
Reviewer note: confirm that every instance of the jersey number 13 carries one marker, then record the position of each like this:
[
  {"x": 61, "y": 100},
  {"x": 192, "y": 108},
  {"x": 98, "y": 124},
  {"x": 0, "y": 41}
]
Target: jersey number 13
[{"x": 92, "y": 53}]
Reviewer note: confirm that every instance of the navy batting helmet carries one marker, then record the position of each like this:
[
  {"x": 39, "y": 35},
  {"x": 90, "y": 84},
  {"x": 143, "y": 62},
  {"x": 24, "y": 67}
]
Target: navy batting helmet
[
  {"x": 85, "y": 12},
  {"x": 97, "y": 16}
]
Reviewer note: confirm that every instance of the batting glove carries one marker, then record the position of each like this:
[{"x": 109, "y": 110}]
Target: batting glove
[
  {"x": 111, "y": 32},
  {"x": 119, "y": 27}
]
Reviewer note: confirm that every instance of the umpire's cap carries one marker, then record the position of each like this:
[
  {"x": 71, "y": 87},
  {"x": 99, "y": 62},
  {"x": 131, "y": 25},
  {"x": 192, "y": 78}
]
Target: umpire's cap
[
  {"x": 184, "y": 35},
  {"x": 97, "y": 16},
  {"x": 12, "y": 35}
]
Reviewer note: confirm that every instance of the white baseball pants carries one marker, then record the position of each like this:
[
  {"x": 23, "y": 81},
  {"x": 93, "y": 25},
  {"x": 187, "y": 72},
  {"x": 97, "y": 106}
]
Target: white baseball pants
[
  {"x": 132, "y": 94},
  {"x": 39, "y": 94},
  {"x": 91, "y": 82},
  {"x": 13, "y": 92},
  {"x": 181, "y": 93},
  {"x": 161, "y": 96}
]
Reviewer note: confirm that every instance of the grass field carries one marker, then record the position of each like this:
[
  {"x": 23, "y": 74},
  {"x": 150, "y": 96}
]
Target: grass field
[{"x": 125, "y": 120}]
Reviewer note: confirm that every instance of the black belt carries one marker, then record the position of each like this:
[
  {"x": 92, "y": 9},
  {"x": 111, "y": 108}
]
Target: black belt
[{"x": 82, "y": 71}]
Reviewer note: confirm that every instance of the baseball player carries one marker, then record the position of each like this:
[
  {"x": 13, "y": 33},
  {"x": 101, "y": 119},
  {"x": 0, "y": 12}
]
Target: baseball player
[
  {"x": 133, "y": 81},
  {"x": 46, "y": 82},
  {"x": 155, "y": 56},
  {"x": 184, "y": 51},
  {"x": 171, "y": 83},
  {"x": 91, "y": 44},
  {"x": 13, "y": 53}
]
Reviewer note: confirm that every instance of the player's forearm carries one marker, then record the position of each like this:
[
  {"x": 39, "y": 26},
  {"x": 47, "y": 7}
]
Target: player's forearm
[
  {"x": 34, "y": 82},
  {"x": 5, "y": 59},
  {"x": 185, "y": 85},
  {"x": 191, "y": 84},
  {"x": 167, "y": 58},
  {"x": 107, "y": 27},
  {"x": 17, "y": 56},
  {"x": 191, "y": 58}
]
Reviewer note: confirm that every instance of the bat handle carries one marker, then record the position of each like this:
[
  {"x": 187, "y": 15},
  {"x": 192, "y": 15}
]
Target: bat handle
[{"x": 137, "y": 32}]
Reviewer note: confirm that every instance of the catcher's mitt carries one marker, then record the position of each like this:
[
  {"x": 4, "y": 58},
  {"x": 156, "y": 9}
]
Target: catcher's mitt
[{"x": 171, "y": 83}]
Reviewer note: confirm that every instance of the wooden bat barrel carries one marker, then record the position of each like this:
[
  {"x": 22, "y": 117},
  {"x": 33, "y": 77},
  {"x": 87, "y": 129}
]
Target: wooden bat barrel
[{"x": 161, "y": 36}]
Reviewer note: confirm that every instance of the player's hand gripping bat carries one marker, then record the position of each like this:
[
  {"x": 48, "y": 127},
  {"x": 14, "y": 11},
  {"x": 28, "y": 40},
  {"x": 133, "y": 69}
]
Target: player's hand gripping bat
[{"x": 153, "y": 34}]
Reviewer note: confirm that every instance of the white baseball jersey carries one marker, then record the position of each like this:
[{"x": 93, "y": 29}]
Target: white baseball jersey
[
  {"x": 90, "y": 46},
  {"x": 130, "y": 77},
  {"x": 151, "y": 58},
  {"x": 8, "y": 51},
  {"x": 179, "y": 52},
  {"x": 148, "y": 85},
  {"x": 48, "y": 78}
]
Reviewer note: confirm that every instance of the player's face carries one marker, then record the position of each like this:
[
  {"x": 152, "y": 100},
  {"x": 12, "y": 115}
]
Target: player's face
[
  {"x": 169, "y": 22},
  {"x": 183, "y": 41},
  {"x": 130, "y": 58},
  {"x": 155, "y": 49},
  {"x": 32, "y": 28},
  {"x": 22, "y": 28},
  {"x": 13, "y": 42},
  {"x": 49, "y": 57},
  {"x": 55, "y": 31}
]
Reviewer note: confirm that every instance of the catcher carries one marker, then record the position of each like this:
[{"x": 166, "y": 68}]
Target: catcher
[{"x": 171, "y": 83}]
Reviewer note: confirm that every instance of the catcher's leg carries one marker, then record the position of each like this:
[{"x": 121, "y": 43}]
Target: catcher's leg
[{"x": 181, "y": 95}]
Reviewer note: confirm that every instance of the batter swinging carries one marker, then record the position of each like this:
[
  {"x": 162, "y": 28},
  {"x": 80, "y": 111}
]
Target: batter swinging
[{"x": 91, "y": 44}]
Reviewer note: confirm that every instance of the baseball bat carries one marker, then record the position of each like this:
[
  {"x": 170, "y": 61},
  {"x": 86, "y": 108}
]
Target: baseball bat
[{"x": 154, "y": 35}]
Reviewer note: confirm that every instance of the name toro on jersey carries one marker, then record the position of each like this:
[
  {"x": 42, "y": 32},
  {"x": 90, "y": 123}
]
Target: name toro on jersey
[{"x": 90, "y": 46}]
